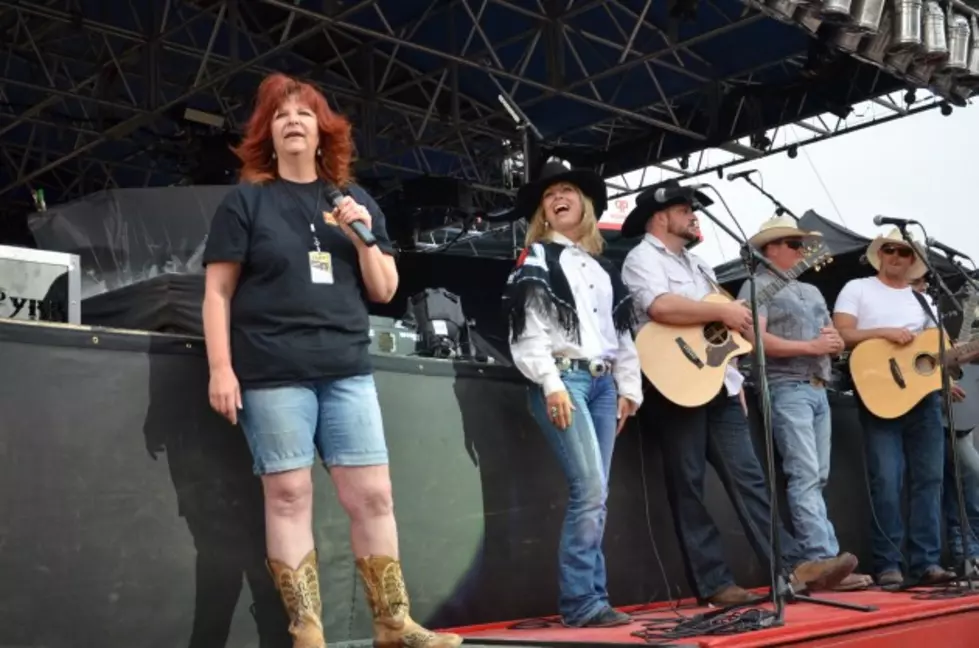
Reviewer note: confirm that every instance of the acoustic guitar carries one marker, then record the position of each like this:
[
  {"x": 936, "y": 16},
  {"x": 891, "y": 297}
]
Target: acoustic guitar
[
  {"x": 892, "y": 378},
  {"x": 687, "y": 363}
]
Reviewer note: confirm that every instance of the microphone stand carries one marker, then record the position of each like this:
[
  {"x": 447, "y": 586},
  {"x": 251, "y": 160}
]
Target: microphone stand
[
  {"x": 963, "y": 271},
  {"x": 526, "y": 128},
  {"x": 781, "y": 591},
  {"x": 969, "y": 572},
  {"x": 779, "y": 207}
]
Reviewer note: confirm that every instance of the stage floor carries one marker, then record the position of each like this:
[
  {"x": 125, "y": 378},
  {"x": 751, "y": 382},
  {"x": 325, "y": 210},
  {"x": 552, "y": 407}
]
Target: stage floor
[{"x": 925, "y": 617}]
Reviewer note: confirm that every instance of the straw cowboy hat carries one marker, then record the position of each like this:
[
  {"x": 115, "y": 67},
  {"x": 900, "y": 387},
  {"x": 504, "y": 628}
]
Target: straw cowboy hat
[
  {"x": 554, "y": 171},
  {"x": 779, "y": 227},
  {"x": 647, "y": 205},
  {"x": 918, "y": 268}
]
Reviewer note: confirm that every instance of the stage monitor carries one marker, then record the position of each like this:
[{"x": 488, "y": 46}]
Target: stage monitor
[{"x": 39, "y": 285}]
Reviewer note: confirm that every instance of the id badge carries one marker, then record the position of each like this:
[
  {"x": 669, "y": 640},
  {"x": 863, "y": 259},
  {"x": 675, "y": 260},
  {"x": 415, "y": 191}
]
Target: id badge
[{"x": 321, "y": 267}]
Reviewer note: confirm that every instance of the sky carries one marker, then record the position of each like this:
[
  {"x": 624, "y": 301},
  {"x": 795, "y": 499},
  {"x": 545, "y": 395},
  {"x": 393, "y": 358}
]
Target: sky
[{"x": 919, "y": 167}]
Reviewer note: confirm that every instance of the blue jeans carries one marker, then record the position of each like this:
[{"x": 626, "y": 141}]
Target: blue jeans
[
  {"x": 803, "y": 432},
  {"x": 916, "y": 440},
  {"x": 339, "y": 419},
  {"x": 585, "y": 453},
  {"x": 717, "y": 433},
  {"x": 970, "y": 492}
]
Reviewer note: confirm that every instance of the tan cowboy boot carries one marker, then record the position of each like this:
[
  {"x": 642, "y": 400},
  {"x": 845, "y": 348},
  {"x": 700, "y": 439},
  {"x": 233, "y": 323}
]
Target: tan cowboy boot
[
  {"x": 388, "y": 599},
  {"x": 300, "y": 592}
]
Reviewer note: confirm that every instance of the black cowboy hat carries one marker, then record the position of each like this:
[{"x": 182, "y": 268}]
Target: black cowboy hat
[
  {"x": 647, "y": 205},
  {"x": 530, "y": 195}
]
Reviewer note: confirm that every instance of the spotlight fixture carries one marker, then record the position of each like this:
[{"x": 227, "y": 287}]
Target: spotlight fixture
[{"x": 760, "y": 141}]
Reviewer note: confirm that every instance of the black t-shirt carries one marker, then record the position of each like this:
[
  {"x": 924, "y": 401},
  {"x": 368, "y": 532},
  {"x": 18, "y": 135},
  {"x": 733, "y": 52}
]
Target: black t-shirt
[{"x": 286, "y": 328}]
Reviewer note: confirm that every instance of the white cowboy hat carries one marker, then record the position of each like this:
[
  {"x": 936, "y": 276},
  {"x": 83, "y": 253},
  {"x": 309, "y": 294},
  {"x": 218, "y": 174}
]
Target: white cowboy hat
[
  {"x": 918, "y": 268},
  {"x": 778, "y": 227}
]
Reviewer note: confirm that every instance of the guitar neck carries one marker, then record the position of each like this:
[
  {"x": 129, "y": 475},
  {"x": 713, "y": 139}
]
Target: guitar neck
[
  {"x": 771, "y": 289},
  {"x": 968, "y": 315},
  {"x": 966, "y": 349}
]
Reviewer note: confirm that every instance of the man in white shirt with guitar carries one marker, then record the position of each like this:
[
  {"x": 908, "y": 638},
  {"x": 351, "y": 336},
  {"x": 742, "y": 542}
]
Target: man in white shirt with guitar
[
  {"x": 689, "y": 333},
  {"x": 890, "y": 328}
]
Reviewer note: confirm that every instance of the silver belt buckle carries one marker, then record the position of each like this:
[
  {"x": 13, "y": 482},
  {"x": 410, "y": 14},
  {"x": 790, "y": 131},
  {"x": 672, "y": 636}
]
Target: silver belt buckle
[
  {"x": 598, "y": 368},
  {"x": 563, "y": 363}
]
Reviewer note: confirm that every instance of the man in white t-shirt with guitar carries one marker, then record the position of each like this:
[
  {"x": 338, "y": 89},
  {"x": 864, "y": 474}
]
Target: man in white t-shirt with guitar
[{"x": 884, "y": 321}]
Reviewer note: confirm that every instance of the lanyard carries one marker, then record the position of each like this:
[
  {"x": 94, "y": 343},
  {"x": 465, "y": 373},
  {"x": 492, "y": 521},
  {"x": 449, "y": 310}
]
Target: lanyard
[
  {"x": 312, "y": 222},
  {"x": 301, "y": 205}
]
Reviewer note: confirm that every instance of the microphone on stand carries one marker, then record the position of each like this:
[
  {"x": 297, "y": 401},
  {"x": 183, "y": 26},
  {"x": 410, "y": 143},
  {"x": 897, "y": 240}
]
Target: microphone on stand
[
  {"x": 741, "y": 174},
  {"x": 948, "y": 250},
  {"x": 899, "y": 222},
  {"x": 364, "y": 234}
]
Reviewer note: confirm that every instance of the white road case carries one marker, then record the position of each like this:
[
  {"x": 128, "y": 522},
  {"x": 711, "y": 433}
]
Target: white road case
[{"x": 39, "y": 285}]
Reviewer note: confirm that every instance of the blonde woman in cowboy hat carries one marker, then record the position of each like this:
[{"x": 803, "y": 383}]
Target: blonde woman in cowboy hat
[
  {"x": 570, "y": 319},
  {"x": 669, "y": 283},
  {"x": 885, "y": 306},
  {"x": 800, "y": 341}
]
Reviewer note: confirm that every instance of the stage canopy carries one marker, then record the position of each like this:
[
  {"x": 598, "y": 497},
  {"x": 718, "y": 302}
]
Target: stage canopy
[{"x": 132, "y": 94}]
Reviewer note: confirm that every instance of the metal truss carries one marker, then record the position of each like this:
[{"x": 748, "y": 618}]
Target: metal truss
[
  {"x": 786, "y": 138},
  {"x": 88, "y": 103}
]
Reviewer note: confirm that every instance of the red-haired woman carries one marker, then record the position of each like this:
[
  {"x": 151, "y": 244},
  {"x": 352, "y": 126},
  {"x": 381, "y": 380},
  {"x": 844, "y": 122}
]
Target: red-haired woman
[{"x": 286, "y": 326}]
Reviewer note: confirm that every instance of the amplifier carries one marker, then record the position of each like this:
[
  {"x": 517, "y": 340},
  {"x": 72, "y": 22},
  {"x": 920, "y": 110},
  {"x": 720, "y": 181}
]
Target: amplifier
[
  {"x": 39, "y": 285},
  {"x": 392, "y": 337}
]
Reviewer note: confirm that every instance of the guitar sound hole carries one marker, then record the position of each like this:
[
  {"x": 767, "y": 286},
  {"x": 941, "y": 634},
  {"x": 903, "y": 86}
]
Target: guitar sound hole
[
  {"x": 716, "y": 334},
  {"x": 925, "y": 364}
]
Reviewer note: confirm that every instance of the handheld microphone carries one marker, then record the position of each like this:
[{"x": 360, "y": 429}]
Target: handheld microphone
[
  {"x": 899, "y": 222},
  {"x": 364, "y": 234},
  {"x": 671, "y": 193},
  {"x": 949, "y": 251},
  {"x": 741, "y": 174}
]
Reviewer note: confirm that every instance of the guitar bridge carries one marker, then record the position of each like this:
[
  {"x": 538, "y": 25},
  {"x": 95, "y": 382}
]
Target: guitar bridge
[
  {"x": 689, "y": 352},
  {"x": 896, "y": 374}
]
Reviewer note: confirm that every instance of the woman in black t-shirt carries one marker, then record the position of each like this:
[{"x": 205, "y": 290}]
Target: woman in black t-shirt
[{"x": 286, "y": 326}]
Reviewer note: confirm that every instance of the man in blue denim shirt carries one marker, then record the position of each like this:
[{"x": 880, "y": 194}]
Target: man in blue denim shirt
[{"x": 799, "y": 340}]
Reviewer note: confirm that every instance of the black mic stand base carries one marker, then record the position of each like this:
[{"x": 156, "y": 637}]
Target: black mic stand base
[
  {"x": 790, "y": 596},
  {"x": 783, "y": 595},
  {"x": 969, "y": 575}
]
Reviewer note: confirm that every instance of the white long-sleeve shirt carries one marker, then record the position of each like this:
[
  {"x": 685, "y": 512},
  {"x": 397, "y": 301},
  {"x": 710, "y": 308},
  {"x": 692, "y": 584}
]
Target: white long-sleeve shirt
[
  {"x": 542, "y": 341},
  {"x": 651, "y": 269}
]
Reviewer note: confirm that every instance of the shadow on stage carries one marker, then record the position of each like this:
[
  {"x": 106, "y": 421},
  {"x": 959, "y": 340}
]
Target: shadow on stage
[{"x": 220, "y": 501}]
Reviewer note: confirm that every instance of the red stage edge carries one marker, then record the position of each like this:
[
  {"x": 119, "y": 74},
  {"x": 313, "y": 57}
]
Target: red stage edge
[{"x": 901, "y": 621}]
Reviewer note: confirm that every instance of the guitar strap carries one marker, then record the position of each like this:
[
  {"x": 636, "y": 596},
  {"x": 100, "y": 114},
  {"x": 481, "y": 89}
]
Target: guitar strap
[
  {"x": 716, "y": 286},
  {"x": 926, "y": 307}
]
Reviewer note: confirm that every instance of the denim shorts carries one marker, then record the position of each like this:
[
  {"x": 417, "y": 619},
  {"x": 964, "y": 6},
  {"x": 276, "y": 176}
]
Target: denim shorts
[{"x": 339, "y": 418}]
